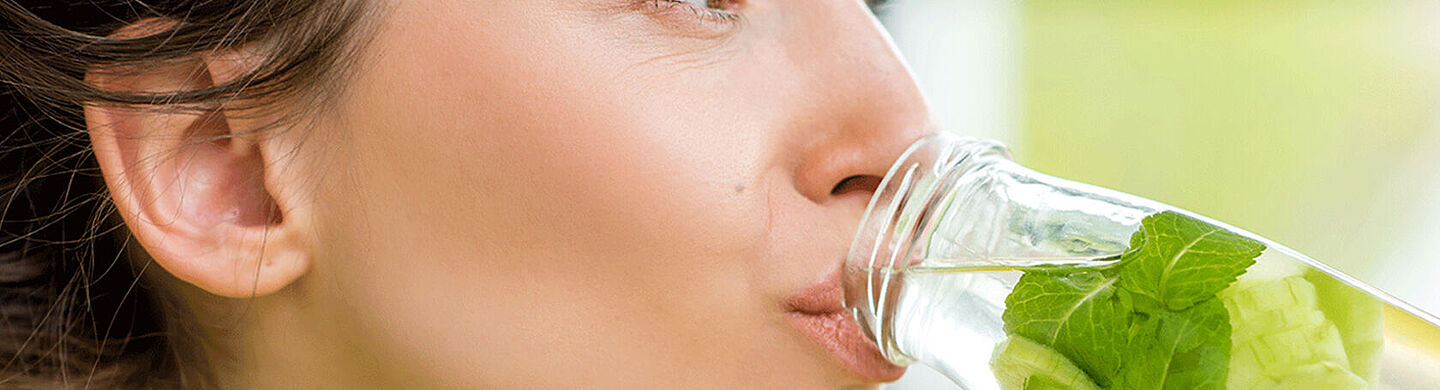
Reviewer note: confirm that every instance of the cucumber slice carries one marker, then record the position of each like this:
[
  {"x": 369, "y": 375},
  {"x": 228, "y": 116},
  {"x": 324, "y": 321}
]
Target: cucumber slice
[
  {"x": 1358, "y": 318},
  {"x": 1267, "y": 306},
  {"x": 1279, "y": 351},
  {"x": 1280, "y": 337},
  {"x": 1019, "y": 364},
  {"x": 1037, "y": 382},
  {"x": 1245, "y": 374},
  {"x": 1323, "y": 375}
]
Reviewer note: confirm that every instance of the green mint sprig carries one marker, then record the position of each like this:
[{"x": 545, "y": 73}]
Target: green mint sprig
[{"x": 1151, "y": 321}]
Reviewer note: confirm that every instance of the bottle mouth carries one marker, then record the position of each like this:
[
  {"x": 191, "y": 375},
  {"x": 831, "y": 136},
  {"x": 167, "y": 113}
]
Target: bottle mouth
[{"x": 899, "y": 214}]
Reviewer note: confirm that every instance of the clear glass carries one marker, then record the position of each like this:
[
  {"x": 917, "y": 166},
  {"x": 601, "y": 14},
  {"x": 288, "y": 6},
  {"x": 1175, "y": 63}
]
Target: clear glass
[{"x": 956, "y": 222}]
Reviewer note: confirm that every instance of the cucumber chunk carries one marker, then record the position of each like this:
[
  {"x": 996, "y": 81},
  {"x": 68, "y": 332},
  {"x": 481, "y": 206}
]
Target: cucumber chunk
[
  {"x": 1281, "y": 337},
  {"x": 1359, "y": 319},
  {"x": 1019, "y": 364}
]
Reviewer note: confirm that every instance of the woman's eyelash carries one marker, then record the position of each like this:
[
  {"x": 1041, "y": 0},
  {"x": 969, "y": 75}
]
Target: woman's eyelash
[
  {"x": 708, "y": 4},
  {"x": 712, "y": 11}
]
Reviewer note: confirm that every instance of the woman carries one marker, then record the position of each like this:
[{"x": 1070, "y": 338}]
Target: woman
[{"x": 362, "y": 194}]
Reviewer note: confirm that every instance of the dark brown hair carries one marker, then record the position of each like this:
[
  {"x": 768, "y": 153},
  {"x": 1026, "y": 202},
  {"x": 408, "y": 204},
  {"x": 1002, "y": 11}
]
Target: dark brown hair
[{"x": 74, "y": 313}]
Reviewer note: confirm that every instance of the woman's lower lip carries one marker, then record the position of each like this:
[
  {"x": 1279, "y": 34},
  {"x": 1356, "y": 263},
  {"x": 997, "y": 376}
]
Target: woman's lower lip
[{"x": 841, "y": 335}]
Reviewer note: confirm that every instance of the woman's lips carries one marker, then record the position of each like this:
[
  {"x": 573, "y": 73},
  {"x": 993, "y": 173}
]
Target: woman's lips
[{"x": 819, "y": 311}]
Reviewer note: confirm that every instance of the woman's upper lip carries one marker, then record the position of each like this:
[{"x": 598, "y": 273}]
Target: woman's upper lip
[{"x": 823, "y": 297}]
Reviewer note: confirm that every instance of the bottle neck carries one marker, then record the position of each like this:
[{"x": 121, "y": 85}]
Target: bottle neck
[
  {"x": 898, "y": 216},
  {"x": 950, "y": 202}
]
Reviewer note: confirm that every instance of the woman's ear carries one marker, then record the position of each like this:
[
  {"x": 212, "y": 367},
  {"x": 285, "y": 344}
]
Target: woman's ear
[{"x": 197, "y": 185}]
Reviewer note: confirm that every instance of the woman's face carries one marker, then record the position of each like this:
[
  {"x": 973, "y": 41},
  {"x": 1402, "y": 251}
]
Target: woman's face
[{"x": 605, "y": 193}]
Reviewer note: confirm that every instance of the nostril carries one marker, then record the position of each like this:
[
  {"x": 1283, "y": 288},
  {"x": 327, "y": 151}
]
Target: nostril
[{"x": 865, "y": 183}]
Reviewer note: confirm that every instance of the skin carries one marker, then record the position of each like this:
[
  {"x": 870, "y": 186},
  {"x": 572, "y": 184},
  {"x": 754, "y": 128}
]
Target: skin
[{"x": 526, "y": 194}]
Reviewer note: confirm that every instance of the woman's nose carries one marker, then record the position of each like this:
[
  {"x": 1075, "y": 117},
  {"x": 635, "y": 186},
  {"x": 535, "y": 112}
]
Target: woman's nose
[{"x": 864, "y": 106}]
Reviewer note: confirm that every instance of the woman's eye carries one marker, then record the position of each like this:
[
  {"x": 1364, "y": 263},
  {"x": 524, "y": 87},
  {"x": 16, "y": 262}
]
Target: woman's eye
[
  {"x": 715, "y": 12},
  {"x": 711, "y": 4}
]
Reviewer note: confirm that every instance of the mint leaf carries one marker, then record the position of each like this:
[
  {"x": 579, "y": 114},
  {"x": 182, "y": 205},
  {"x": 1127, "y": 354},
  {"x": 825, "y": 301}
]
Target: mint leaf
[
  {"x": 1188, "y": 349},
  {"x": 1176, "y": 261},
  {"x": 1152, "y": 321},
  {"x": 1076, "y": 314}
]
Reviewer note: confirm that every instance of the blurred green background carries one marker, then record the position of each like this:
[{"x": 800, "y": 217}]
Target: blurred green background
[
  {"x": 1313, "y": 123},
  {"x": 1280, "y": 117}
]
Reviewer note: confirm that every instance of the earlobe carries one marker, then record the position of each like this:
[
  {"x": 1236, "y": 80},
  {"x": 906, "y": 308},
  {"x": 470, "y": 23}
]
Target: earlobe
[{"x": 193, "y": 189}]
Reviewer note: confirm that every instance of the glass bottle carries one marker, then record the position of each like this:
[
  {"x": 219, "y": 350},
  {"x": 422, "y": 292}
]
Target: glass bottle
[{"x": 956, "y": 223}]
